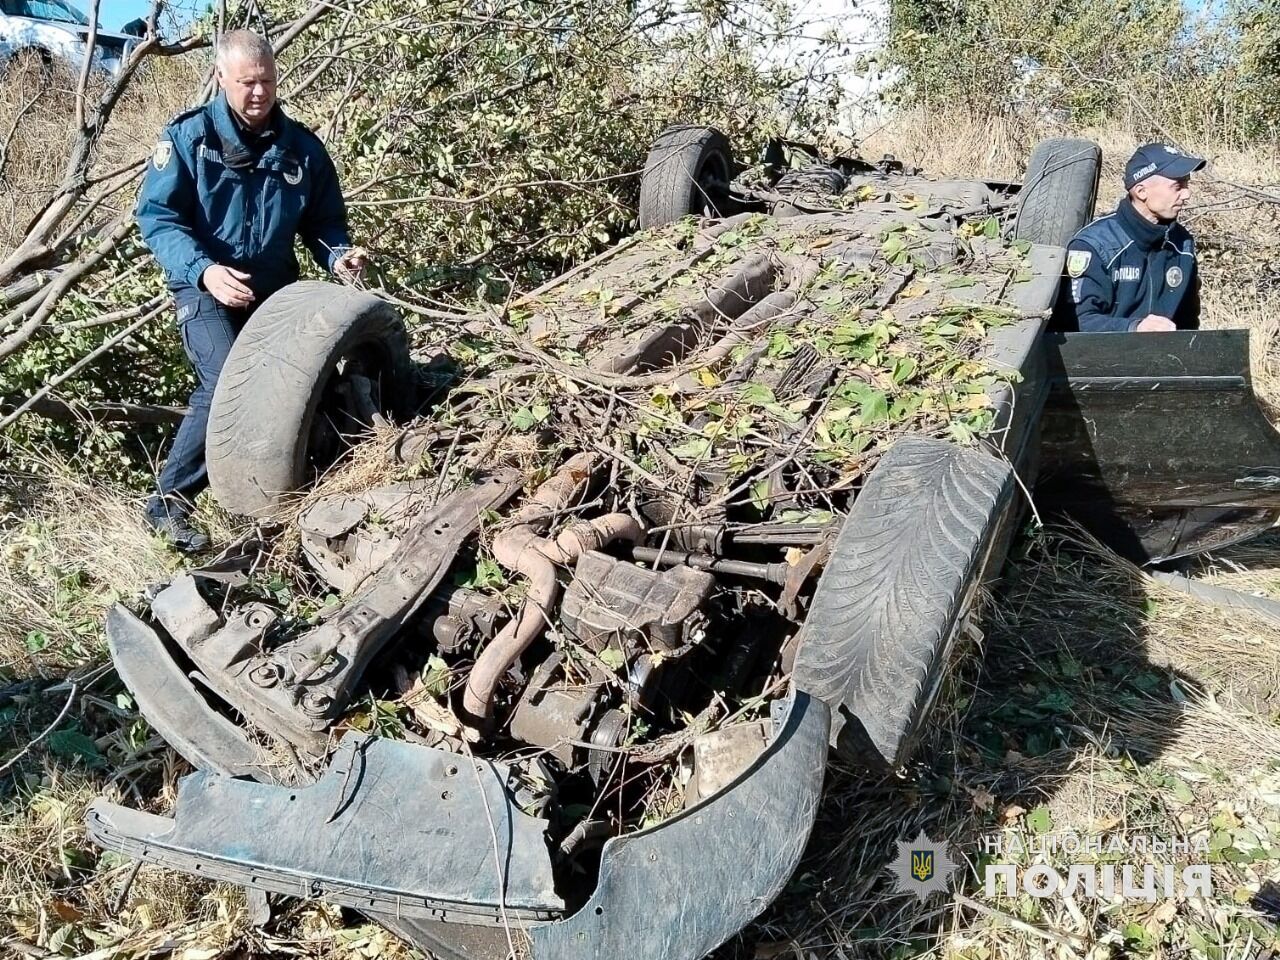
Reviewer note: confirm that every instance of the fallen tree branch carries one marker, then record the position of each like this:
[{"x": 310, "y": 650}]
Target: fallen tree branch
[
  {"x": 60, "y": 408},
  {"x": 60, "y": 286},
  {"x": 115, "y": 316}
]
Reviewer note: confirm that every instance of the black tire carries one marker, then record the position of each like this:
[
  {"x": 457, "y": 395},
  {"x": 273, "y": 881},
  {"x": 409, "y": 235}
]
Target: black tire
[
  {"x": 276, "y": 418},
  {"x": 902, "y": 573},
  {"x": 1059, "y": 191},
  {"x": 687, "y": 171}
]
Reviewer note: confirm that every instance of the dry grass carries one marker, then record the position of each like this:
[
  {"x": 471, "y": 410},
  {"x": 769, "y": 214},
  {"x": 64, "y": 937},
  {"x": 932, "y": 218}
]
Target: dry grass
[
  {"x": 71, "y": 546},
  {"x": 1089, "y": 710},
  {"x": 36, "y": 106}
]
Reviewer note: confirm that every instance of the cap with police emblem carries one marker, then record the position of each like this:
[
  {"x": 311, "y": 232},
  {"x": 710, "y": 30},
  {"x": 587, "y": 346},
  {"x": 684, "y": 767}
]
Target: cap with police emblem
[{"x": 1159, "y": 158}]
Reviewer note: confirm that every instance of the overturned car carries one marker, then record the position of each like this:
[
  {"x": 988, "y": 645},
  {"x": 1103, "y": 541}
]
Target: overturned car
[{"x": 559, "y": 674}]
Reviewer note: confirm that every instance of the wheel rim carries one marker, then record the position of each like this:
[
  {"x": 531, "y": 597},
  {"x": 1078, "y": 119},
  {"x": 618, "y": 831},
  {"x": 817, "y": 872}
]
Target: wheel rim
[
  {"x": 711, "y": 186},
  {"x": 354, "y": 397}
]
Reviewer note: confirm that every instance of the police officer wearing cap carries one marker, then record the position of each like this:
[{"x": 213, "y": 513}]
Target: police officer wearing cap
[
  {"x": 1135, "y": 269},
  {"x": 229, "y": 187}
]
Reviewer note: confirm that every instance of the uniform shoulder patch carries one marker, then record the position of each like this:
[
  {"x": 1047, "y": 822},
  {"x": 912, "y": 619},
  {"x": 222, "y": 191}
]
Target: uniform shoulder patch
[
  {"x": 1173, "y": 277},
  {"x": 186, "y": 114},
  {"x": 161, "y": 154},
  {"x": 1078, "y": 262}
]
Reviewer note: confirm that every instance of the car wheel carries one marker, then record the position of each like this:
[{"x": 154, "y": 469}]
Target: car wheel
[
  {"x": 312, "y": 367},
  {"x": 1059, "y": 191},
  {"x": 687, "y": 171},
  {"x": 901, "y": 578}
]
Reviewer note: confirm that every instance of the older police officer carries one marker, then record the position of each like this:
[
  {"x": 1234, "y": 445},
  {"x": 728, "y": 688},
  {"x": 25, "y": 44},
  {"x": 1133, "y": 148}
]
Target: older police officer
[
  {"x": 1135, "y": 269},
  {"x": 229, "y": 187}
]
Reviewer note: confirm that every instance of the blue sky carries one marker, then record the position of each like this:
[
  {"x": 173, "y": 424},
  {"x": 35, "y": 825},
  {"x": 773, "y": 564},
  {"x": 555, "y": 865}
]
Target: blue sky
[{"x": 116, "y": 13}]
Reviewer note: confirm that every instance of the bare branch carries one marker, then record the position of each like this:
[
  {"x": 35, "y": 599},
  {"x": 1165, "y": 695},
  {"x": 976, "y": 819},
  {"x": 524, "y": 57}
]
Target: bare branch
[
  {"x": 61, "y": 408},
  {"x": 86, "y": 68}
]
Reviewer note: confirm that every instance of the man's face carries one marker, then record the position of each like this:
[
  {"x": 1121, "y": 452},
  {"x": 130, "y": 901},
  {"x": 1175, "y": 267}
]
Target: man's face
[
  {"x": 250, "y": 85},
  {"x": 1163, "y": 196}
]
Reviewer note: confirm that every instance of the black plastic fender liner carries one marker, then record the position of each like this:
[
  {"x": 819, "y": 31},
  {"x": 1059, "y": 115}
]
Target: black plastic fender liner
[
  {"x": 680, "y": 889},
  {"x": 902, "y": 573},
  {"x": 390, "y": 827},
  {"x": 170, "y": 702}
]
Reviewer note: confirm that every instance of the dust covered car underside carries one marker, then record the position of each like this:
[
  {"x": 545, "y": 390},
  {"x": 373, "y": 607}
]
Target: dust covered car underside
[{"x": 560, "y": 660}]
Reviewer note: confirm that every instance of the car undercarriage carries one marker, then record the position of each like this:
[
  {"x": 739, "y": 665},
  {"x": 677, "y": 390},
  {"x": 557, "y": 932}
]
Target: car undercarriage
[{"x": 563, "y": 668}]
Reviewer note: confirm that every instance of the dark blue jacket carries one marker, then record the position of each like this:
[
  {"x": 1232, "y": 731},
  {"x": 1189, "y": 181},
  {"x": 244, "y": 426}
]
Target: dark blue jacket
[
  {"x": 1122, "y": 267},
  {"x": 215, "y": 193}
]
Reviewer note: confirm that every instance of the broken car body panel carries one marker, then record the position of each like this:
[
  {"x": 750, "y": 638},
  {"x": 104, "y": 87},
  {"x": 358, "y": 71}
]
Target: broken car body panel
[
  {"x": 403, "y": 829},
  {"x": 390, "y": 826},
  {"x": 1155, "y": 442}
]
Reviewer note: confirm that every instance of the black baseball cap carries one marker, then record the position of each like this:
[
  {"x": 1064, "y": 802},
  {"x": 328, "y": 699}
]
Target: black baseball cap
[{"x": 1159, "y": 158}]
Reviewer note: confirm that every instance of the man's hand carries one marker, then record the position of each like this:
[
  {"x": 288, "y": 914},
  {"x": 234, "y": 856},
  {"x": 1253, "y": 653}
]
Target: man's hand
[
  {"x": 1154, "y": 323},
  {"x": 227, "y": 285},
  {"x": 351, "y": 264}
]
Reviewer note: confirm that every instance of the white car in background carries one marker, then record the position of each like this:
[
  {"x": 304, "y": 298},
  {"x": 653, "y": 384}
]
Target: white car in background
[{"x": 57, "y": 31}]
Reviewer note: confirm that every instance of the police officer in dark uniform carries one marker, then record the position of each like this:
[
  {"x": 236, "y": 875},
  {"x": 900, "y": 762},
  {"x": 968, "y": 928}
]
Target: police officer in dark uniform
[
  {"x": 1135, "y": 269},
  {"x": 229, "y": 187}
]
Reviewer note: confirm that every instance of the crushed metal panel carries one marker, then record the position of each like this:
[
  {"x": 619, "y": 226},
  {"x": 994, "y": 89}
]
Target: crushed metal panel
[
  {"x": 390, "y": 827},
  {"x": 296, "y": 689},
  {"x": 183, "y": 612},
  {"x": 679, "y": 890},
  {"x": 170, "y": 702}
]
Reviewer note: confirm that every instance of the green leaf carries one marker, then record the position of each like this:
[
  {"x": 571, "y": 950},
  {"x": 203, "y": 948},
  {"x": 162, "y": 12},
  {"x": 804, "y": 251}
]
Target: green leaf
[
  {"x": 72, "y": 744},
  {"x": 760, "y": 494},
  {"x": 612, "y": 658},
  {"x": 904, "y": 368},
  {"x": 991, "y": 228},
  {"x": 1040, "y": 820},
  {"x": 487, "y": 573},
  {"x": 780, "y": 345},
  {"x": 757, "y": 394},
  {"x": 435, "y": 676},
  {"x": 893, "y": 247},
  {"x": 694, "y": 448},
  {"x": 36, "y": 641},
  {"x": 1181, "y": 792},
  {"x": 1056, "y": 701},
  {"x": 526, "y": 418},
  {"x": 874, "y": 407}
]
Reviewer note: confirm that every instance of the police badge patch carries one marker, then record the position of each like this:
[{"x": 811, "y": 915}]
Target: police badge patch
[
  {"x": 1078, "y": 262},
  {"x": 161, "y": 154},
  {"x": 922, "y": 867},
  {"x": 293, "y": 175},
  {"x": 1173, "y": 277}
]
